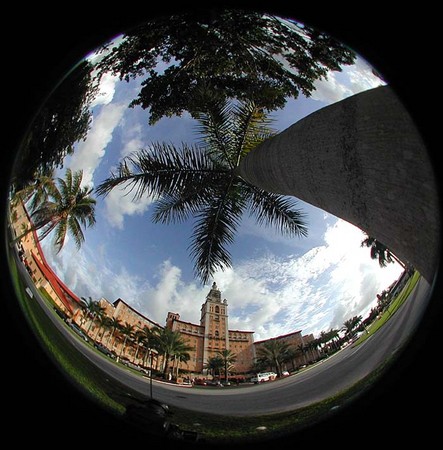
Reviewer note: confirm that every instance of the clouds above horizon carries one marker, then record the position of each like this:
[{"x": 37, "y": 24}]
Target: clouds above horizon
[
  {"x": 89, "y": 153},
  {"x": 270, "y": 295},
  {"x": 339, "y": 85}
]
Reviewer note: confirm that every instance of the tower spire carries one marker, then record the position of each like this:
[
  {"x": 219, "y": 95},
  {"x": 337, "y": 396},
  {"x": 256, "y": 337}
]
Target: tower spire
[{"x": 214, "y": 294}]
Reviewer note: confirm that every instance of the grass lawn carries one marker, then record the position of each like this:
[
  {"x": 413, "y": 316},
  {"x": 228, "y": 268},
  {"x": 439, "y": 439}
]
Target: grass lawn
[{"x": 393, "y": 307}]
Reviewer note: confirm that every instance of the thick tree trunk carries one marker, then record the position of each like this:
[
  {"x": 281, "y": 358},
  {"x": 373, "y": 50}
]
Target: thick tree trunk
[{"x": 363, "y": 160}]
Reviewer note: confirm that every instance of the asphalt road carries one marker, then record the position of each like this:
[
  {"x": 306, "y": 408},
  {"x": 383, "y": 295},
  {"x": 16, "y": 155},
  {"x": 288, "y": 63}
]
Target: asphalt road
[{"x": 315, "y": 383}]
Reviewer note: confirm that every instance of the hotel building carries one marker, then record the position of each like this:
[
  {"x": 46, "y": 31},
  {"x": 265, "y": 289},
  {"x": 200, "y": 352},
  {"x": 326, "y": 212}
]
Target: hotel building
[{"x": 213, "y": 335}]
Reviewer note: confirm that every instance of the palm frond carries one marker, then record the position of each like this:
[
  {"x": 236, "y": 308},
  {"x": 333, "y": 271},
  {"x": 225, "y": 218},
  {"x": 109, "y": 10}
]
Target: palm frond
[
  {"x": 44, "y": 214},
  {"x": 275, "y": 210},
  {"x": 163, "y": 170},
  {"x": 60, "y": 234},
  {"x": 75, "y": 231},
  {"x": 76, "y": 181},
  {"x": 64, "y": 190},
  {"x": 84, "y": 209},
  {"x": 47, "y": 229},
  {"x": 121, "y": 176},
  {"x": 215, "y": 127},
  {"x": 39, "y": 192},
  {"x": 214, "y": 229},
  {"x": 252, "y": 127},
  {"x": 178, "y": 207}
]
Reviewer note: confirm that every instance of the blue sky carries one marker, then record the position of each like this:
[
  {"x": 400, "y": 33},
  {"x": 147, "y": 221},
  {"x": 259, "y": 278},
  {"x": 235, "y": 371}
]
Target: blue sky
[{"x": 276, "y": 285}]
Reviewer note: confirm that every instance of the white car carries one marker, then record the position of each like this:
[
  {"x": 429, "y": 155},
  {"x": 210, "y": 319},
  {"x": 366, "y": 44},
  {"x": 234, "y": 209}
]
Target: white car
[{"x": 264, "y": 376}]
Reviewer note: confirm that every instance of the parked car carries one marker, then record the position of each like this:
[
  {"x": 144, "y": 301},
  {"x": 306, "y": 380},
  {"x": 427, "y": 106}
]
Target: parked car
[
  {"x": 262, "y": 377},
  {"x": 285, "y": 373},
  {"x": 78, "y": 330},
  {"x": 99, "y": 346},
  {"x": 60, "y": 313},
  {"x": 216, "y": 383}
]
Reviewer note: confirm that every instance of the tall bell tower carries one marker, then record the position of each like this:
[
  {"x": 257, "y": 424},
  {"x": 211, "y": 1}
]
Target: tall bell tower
[{"x": 214, "y": 319}]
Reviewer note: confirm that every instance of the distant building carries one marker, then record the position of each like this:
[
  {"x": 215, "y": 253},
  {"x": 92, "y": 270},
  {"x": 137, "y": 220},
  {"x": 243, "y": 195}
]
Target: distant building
[
  {"x": 132, "y": 349},
  {"x": 32, "y": 256},
  {"x": 212, "y": 335},
  {"x": 303, "y": 350}
]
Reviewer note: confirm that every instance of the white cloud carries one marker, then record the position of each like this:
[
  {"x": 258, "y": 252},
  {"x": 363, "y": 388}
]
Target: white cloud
[
  {"x": 106, "y": 90},
  {"x": 120, "y": 203},
  {"x": 133, "y": 145},
  {"x": 89, "y": 153},
  {"x": 315, "y": 292},
  {"x": 330, "y": 90},
  {"x": 131, "y": 137},
  {"x": 352, "y": 80},
  {"x": 270, "y": 296},
  {"x": 89, "y": 273}
]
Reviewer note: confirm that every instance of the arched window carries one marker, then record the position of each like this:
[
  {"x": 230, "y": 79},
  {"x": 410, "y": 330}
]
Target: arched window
[{"x": 217, "y": 309}]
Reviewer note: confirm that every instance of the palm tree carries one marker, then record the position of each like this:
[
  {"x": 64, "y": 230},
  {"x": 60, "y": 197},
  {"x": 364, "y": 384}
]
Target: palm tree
[
  {"x": 169, "y": 343},
  {"x": 116, "y": 324},
  {"x": 214, "y": 364},
  {"x": 127, "y": 330},
  {"x": 101, "y": 319},
  {"x": 381, "y": 252},
  {"x": 106, "y": 325},
  {"x": 301, "y": 350},
  {"x": 314, "y": 347},
  {"x": 92, "y": 309},
  {"x": 326, "y": 337},
  {"x": 148, "y": 342},
  {"x": 181, "y": 356},
  {"x": 139, "y": 337},
  {"x": 228, "y": 358},
  {"x": 37, "y": 192},
  {"x": 274, "y": 352},
  {"x": 203, "y": 182},
  {"x": 66, "y": 207},
  {"x": 351, "y": 324}
]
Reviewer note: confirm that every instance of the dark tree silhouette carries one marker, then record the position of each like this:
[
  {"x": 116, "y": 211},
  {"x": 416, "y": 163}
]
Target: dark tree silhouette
[
  {"x": 236, "y": 54},
  {"x": 380, "y": 252},
  {"x": 62, "y": 120}
]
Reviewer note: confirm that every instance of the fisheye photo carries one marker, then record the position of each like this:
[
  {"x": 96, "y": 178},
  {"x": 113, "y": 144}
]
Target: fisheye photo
[{"x": 222, "y": 228}]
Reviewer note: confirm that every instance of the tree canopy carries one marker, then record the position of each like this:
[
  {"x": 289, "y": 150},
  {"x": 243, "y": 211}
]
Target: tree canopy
[
  {"x": 62, "y": 120},
  {"x": 236, "y": 54}
]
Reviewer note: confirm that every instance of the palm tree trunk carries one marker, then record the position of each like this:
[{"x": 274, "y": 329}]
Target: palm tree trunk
[
  {"x": 136, "y": 352},
  {"x": 166, "y": 361},
  {"x": 96, "y": 333},
  {"x": 362, "y": 160},
  {"x": 111, "y": 335}
]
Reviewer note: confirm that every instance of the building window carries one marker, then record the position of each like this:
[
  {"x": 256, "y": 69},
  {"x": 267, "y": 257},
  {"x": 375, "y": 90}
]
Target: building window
[{"x": 217, "y": 310}]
